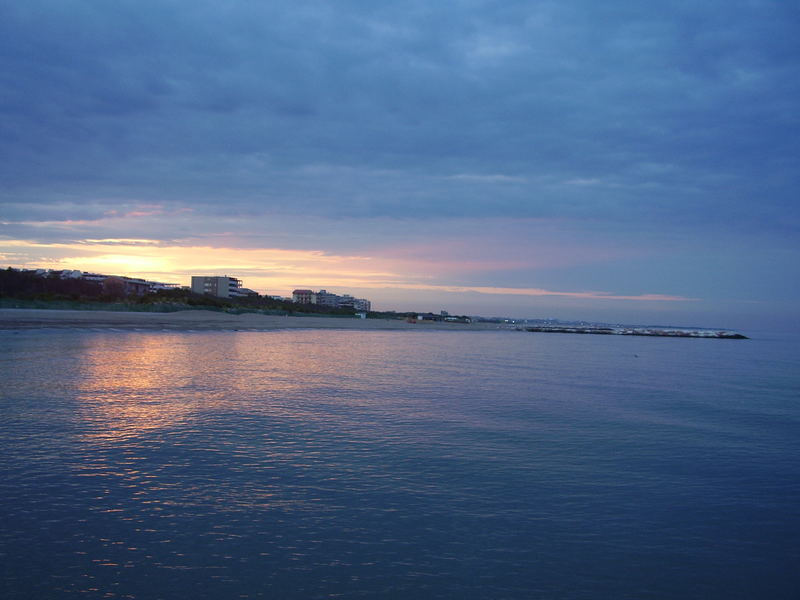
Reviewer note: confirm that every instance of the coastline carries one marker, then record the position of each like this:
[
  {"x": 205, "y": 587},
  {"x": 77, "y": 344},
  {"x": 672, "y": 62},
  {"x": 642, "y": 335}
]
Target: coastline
[{"x": 203, "y": 320}]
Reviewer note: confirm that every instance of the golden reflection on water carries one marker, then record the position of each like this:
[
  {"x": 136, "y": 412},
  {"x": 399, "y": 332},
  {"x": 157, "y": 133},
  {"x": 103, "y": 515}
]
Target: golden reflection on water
[
  {"x": 189, "y": 394},
  {"x": 132, "y": 385},
  {"x": 136, "y": 384}
]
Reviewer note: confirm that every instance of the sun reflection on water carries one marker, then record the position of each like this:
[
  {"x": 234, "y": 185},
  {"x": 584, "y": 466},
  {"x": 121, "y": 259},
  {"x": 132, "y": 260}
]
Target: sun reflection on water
[
  {"x": 229, "y": 416},
  {"x": 227, "y": 422},
  {"x": 129, "y": 389}
]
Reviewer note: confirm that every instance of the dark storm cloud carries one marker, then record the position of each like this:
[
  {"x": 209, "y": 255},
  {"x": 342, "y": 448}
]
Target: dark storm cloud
[{"x": 623, "y": 111}]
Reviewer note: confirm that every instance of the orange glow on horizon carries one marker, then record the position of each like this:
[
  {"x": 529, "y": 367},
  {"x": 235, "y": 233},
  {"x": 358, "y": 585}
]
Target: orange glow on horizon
[{"x": 275, "y": 270}]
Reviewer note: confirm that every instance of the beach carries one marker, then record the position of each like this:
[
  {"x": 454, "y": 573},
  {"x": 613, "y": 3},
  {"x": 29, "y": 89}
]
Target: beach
[{"x": 204, "y": 320}]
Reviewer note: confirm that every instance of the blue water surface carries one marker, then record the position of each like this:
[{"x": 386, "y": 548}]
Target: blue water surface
[{"x": 364, "y": 464}]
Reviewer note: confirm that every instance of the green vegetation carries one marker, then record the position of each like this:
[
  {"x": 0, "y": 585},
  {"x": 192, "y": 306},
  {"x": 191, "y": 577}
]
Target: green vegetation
[
  {"x": 26, "y": 289},
  {"x": 26, "y": 285}
]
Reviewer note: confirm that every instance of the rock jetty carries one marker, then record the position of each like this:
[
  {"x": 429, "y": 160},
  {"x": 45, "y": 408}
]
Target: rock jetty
[{"x": 645, "y": 331}]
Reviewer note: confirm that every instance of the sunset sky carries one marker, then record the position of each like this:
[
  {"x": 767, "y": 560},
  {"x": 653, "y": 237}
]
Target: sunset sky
[{"x": 618, "y": 161}]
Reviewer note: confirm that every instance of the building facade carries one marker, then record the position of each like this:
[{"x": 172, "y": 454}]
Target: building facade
[
  {"x": 125, "y": 286},
  {"x": 326, "y": 298},
  {"x": 304, "y": 297},
  {"x": 221, "y": 287}
]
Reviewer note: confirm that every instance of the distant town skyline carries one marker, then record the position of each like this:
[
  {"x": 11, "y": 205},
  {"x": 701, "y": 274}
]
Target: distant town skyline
[{"x": 615, "y": 161}]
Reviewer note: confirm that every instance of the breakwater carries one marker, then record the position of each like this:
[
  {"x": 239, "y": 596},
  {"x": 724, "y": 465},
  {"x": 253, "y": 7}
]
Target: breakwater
[{"x": 642, "y": 331}]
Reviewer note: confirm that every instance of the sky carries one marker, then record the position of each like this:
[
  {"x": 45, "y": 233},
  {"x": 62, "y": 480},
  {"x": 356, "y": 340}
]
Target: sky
[{"x": 621, "y": 161}]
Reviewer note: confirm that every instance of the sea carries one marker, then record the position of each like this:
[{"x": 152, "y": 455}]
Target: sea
[{"x": 311, "y": 464}]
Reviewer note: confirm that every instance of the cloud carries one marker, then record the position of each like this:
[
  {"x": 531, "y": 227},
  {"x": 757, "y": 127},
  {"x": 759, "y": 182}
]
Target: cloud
[
  {"x": 534, "y": 292},
  {"x": 513, "y": 144},
  {"x": 268, "y": 267},
  {"x": 476, "y": 178},
  {"x": 407, "y": 110}
]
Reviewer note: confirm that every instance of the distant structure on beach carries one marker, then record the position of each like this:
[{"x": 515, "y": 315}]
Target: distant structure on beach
[
  {"x": 326, "y": 298},
  {"x": 221, "y": 287}
]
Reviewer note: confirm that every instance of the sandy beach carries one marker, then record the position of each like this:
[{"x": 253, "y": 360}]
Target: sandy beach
[{"x": 202, "y": 320}]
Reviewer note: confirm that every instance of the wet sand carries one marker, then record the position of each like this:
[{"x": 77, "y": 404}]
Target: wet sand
[{"x": 202, "y": 320}]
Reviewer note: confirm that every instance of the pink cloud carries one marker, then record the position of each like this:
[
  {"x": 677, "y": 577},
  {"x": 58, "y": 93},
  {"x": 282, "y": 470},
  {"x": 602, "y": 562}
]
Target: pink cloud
[
  {"x": 275, "y": 269},
  {"x": 494, "y": 252},
  {"x": 594, "y": 295}
]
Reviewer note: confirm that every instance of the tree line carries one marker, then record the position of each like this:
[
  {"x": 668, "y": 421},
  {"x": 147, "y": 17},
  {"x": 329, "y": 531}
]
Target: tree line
[{"x": 29, "y": 285}]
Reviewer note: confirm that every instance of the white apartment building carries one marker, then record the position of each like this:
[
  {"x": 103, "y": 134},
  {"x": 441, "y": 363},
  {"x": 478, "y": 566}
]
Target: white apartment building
[
  {"x": 221, "y": 287},
  {"x": 326, "y": 298}
]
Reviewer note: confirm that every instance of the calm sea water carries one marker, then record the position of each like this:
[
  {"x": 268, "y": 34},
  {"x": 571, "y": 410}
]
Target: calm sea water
[{"x": 346, "y": 464}]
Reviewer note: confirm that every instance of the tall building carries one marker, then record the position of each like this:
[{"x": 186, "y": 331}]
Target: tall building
[
  {"x": 362, "y": 305},
  {"x": 221, "y": 287},
  {"x": 346, "y": 301},
  {"x": 304, "y": 297},
  {"x": 326, "y": 298}
]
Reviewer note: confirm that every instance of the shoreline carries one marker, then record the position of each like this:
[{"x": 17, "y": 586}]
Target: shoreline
[{"x": 202, "y": 320}]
